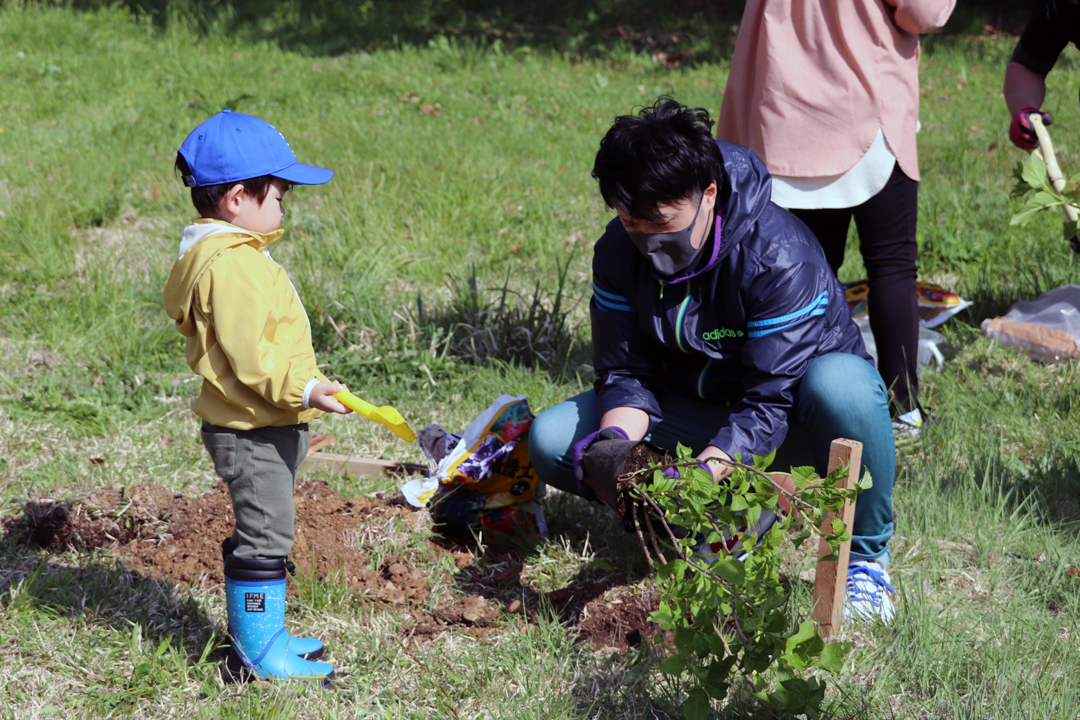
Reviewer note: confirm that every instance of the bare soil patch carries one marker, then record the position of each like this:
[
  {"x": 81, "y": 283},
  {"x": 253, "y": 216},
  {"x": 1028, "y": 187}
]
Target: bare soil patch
[{"x": 178, "y": 538}]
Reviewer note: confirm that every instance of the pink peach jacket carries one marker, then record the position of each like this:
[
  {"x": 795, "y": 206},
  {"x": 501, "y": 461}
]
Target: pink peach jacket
[{"x": 812, "y": 82}]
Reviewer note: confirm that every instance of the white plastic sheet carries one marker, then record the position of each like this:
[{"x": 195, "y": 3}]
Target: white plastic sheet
[{"x": 1055, "y": 311}]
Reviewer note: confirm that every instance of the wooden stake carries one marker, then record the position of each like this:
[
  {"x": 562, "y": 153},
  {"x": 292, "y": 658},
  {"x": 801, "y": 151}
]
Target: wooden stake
[
  {"x": 830, "y": 578},
  {"x": 358, "y": 466},
  {"x": 318, "y": 442}
]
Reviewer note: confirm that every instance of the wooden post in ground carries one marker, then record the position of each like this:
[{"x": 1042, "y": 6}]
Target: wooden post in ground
[
  {"x": 830, "y": 578},
  {"x": 358, "y": 466}
]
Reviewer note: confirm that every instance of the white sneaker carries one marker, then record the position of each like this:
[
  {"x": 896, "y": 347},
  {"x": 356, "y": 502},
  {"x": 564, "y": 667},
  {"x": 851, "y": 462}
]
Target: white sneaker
[
  {"x": 869, "y": 593},
  {"x": 908, "y": 426}
]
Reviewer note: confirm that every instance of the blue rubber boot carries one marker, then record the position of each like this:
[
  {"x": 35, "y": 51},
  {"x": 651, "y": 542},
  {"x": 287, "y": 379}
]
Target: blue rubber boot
[
  {"x": 307, "y": 648},
  {"x": 259, "y": 646}
]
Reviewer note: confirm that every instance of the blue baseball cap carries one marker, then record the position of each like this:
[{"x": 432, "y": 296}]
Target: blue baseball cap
[{"x": 231, "y": 147}]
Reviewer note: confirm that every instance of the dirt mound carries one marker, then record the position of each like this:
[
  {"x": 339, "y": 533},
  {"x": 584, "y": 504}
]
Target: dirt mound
[
  {"x": 618, "y": 620},
  {"x": 178, "y": 538},
  {"x": 606, "y": 612}
]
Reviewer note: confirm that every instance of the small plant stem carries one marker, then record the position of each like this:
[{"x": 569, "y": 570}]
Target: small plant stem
[
  {"x": 641, "y": 538},
  {"x": 795, "y": 499},
  {"x": 653, "y": 538},
  {"x": 716, "y": 527},
  {"x": 746, "y": 676},
  {"x": 675, "y": 541}
]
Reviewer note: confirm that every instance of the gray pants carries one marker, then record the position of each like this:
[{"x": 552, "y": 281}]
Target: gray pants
[{"x": 260, "y": 468}]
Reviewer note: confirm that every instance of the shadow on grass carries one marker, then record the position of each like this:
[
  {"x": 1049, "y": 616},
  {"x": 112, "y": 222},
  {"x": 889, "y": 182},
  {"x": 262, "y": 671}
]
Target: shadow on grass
[
  {"x": 99, "y": 589},
  {"x": 1040, "y": 488},
  {"x": 992, "y": 294},
  {"x": 674, "y": 32}
]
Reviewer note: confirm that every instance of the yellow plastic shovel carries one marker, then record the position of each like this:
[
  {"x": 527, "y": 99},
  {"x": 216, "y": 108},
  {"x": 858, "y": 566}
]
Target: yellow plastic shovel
[{"x": 385, "y": 415}]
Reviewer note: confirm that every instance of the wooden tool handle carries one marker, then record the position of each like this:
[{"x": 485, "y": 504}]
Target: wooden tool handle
[{"x": 1053, "y": 170}]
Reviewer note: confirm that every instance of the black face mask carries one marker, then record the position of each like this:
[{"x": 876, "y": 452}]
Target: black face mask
[{"x": 670, "y": 252}]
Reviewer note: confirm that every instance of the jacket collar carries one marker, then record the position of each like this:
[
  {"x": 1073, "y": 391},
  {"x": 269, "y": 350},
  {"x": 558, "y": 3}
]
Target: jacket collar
[{"x": 259, "y": 240}]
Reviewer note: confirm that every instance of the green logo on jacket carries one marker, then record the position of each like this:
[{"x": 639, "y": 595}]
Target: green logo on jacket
[{"x": 721, "y": 333}]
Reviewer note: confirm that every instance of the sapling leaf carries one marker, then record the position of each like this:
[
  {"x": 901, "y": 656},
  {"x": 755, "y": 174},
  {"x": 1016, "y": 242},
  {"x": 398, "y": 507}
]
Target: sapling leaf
[
  {"x": 696, "y": 705},
  {"x": 731, "y": 570},
  {"x": 1037, "y": 203},
  {"x": 865, "y": 482},
  {"x": 801, "y": 476},
  {"x": 662, "y": 615},
  {"x": 753, "y": 514},
  {"x": 674, "y": 665},
  {"x": 1034, "y": 172},
  {"x": 832, "y": 657},
  {"x": 763, "y": 463},
  {"x": 805, "y": 632}
]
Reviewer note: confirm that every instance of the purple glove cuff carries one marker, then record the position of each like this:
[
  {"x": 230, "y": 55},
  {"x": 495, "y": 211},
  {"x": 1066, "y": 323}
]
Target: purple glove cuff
[
  {"x": 672, "y": 472},
  {"x": 609, "y": 433}
]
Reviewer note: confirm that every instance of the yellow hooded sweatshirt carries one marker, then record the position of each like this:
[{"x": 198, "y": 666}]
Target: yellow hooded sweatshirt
[{"x": 247, "y": 333}]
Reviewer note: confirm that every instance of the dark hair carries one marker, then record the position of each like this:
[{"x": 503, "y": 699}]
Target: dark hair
[
  {"x": 206, "y": 199},
  {"x": 664, "y": 154}
]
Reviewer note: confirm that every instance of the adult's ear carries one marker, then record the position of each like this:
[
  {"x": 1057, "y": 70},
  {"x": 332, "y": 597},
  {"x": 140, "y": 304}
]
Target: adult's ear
[{"x": 711, "y": 194}]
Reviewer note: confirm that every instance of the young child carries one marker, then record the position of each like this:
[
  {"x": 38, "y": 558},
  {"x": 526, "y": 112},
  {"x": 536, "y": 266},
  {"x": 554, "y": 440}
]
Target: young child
[{"x": 249, "y": 337}]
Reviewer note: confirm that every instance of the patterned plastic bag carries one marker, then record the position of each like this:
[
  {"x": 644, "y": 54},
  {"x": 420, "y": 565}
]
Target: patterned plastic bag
[{"x": 482, "y": 487}]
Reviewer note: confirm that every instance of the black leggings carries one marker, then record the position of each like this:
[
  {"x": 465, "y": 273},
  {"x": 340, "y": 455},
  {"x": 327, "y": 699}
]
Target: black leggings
[{"x": 886, "y": 225}]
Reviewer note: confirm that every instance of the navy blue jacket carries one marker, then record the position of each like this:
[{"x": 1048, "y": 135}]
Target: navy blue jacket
[{"x": 741, "y": 328}]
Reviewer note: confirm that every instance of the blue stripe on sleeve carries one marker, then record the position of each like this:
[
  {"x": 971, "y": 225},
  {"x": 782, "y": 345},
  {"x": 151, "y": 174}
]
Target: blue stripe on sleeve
[
  {"x": 608, "y": 306},
  {"x": 822, "y": 300},
  {"x": 759, "y": 333},
  {"x": 609, "y": 296}
]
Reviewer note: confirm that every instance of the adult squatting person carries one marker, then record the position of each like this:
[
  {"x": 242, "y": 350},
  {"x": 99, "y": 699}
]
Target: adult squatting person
[
  {"x": 1053, "y": 25},
  {"x": 826, "y": 92},
  {"x": 718, "y": 323},
  {"x": 249, "y": 338}
]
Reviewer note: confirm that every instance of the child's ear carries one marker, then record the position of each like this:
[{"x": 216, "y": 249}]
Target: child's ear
[{"x": 232, "y": 198}]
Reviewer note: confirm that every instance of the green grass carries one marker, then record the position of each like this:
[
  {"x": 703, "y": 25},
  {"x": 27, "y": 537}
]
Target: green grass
[{"x": 494, "y": 175}]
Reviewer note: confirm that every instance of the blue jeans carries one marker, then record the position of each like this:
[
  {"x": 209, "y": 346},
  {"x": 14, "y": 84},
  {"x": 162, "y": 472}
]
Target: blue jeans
[{"x": 840, "y": 395}]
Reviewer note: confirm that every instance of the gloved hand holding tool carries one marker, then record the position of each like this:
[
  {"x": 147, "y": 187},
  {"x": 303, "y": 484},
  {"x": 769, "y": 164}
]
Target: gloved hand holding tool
[
  {"x": 385, "y": 415},
  {"x": 1045, "y": 150},
  {"x": 1022, "y": 131}
]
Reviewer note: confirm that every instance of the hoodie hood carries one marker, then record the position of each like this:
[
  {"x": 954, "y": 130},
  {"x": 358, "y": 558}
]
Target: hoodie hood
[{"x": 201, "y": 244}]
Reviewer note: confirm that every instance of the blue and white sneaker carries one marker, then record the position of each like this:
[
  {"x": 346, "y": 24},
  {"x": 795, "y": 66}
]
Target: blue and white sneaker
[{"x": 869, "y": 593}]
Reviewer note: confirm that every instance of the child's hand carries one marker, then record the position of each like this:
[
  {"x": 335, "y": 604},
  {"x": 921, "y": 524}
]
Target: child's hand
[{"x": 322, "y": 398}]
